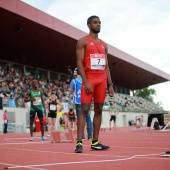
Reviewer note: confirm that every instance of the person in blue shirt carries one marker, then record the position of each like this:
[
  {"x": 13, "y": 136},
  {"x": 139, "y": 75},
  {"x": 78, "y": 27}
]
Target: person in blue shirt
[{"x": 75, "y": 87}]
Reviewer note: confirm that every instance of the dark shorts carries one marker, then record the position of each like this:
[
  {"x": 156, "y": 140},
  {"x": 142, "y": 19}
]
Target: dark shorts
[
  {"x": 72, "y": 119},
  {"x": 113, "y": 118},
  {"x": 52, "y": 114},
  {"x": 39, "y": 114}
]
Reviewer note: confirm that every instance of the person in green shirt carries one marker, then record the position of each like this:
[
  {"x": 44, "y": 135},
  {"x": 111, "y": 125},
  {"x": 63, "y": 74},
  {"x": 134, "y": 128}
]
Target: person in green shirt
[{"x": 34, "y": 95}]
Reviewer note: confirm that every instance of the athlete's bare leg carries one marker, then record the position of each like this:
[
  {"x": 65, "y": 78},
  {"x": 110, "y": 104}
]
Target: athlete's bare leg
[
  {"x": 110, "y": 124},
  {"x": 97, "y": 120},
  {"x": 31, "y": 126},
  {"x": 49, "y": 125},
  {"x": 42, "y": 126},
  {"x": 53, "y": 124},
  {"x": 115, "y": 125},
  {"x": 85, "y": 107}
]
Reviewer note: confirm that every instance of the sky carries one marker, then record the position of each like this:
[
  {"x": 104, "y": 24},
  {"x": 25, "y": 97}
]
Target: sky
[{"x": 140, "y": 28}]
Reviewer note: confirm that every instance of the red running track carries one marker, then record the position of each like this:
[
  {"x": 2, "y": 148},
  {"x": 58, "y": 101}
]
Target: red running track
[{"x": 129, "y": 150}]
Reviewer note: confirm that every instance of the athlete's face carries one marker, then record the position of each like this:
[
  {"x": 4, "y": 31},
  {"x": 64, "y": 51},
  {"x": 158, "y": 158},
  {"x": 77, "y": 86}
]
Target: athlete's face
[
  {"x": 95, "y": 25},
  {"x": 53, "y": 96},
  {"x": 35, "y": 84}
]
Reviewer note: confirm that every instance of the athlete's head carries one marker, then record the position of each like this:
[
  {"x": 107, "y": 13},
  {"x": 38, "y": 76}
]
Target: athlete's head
[
  {"x": 53, "y": 94},
  {"x": 93, "y": 22},
  {"x": 71, "y": 110},
  {"x": 76, "y": 72},
  {"x": 35, "y": 83}
]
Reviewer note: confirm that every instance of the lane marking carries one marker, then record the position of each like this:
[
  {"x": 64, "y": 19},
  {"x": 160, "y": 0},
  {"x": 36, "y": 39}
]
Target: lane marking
[
  {"x": 84, "y": 162},
  {"x": 6, "y": 166},
  {"x": 70, "y": 153}
]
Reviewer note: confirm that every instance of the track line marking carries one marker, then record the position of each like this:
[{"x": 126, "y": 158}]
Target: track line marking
[
  {"x": 84, "y": 162},
  {"x": 29, "y": 142},
  {"x": 14, "y": 166},
  {"x": 70, "y": 153}
]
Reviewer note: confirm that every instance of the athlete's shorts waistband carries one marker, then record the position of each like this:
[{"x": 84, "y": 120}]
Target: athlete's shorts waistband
[{"x": 95, "y": 72}]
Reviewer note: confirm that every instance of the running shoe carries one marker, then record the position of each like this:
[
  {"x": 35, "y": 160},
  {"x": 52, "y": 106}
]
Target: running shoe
[
  {"x": 31, "y": 138},
  {"x": 98, "y": 146},
  {"x": 79, "y": 148},
  {"x": 43, "y": 138}
]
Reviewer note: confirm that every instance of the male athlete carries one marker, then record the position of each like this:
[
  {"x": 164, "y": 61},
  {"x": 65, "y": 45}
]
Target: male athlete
[
  {"x": 92, "y": 63},
  {"x": 34, "y": 95}
]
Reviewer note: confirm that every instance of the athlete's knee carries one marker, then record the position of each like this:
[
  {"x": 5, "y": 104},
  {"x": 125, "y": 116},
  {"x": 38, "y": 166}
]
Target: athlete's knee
[
  {"x": 85, "y": 108},
  {"x": 41, "y": 121},
  {"x": 98, "y": 107}
]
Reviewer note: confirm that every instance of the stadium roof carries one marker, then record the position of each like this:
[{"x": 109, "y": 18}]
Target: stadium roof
[{"x": 32, "y": 37}]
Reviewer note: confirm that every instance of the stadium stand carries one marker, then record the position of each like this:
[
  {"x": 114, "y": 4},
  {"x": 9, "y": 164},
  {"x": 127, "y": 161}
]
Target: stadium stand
[{"x": 14, "y": 83}]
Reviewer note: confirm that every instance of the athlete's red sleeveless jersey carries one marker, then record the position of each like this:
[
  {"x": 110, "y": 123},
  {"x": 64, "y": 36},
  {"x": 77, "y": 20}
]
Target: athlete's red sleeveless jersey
[
  {"x": 93, "y": 48},
  {"x": 94, "y": 66}
]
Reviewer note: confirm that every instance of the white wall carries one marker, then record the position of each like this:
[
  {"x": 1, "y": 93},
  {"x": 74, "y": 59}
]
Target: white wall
[
  {"x": 19, "y": 115},
  {"x": 119, "y": 121}
]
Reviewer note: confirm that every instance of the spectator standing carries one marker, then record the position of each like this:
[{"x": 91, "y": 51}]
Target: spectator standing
[
  {"x": 113, "y": 115},
  {"x": 5, "y": 118},
  {"x": 75, "y": 87}
]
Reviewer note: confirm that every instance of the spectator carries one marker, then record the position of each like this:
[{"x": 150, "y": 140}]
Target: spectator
[
  {"x": 113, "y": 115},
  {"x": 5, "y": 118},
  {"x": 76, "y": 88}
]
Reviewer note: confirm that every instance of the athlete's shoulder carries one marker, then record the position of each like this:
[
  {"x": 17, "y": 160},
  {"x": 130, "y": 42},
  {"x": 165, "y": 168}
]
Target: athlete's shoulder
[
  {"x": 83, "y": 40},
  {"x": 104, "y": 43}
]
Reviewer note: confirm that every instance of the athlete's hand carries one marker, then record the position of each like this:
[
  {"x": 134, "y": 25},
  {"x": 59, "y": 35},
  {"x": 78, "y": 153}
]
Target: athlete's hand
[
  {"x": 88, "y": 88},
  {"x": 111, "y": 91},
  {"x": 32, "y": 99},
  {"x": 47, "y": 111}
]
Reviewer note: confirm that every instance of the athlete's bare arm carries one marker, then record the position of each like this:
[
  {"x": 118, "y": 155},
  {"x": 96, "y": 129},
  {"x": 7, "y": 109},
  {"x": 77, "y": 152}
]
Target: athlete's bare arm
[
  {"x": 61, "y": 106},
  {"x": 43, "y": 103},
  {"x": 109, "y": 81},
  {"x": 27, "y": 97},
  {"x": 80, "y": 51},
  {"x": 47, "y": 101}
]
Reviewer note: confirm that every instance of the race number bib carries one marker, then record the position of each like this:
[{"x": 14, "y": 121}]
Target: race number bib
[
  {"x": 97, "y": 61},
  {"x": 5, "y": 121},
  {"x": 53, "y": 107},
  {"x": 37, "y": 101}
]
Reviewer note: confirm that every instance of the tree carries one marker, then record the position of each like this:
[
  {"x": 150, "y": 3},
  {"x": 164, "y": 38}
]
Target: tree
[{"x": 145, "y": 93}]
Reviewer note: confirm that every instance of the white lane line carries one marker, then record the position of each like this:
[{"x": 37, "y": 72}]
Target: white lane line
[
  {"x": 135, "y": 147},
  {"x": 69, "y": 153},
  {"x": 52, "y": 152},
  {"x": 10, "y": 166},
  {"x": 22, "y": 142},
  {"x": 47, "y": 142},
  {"x": 84, "y": 162}
]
